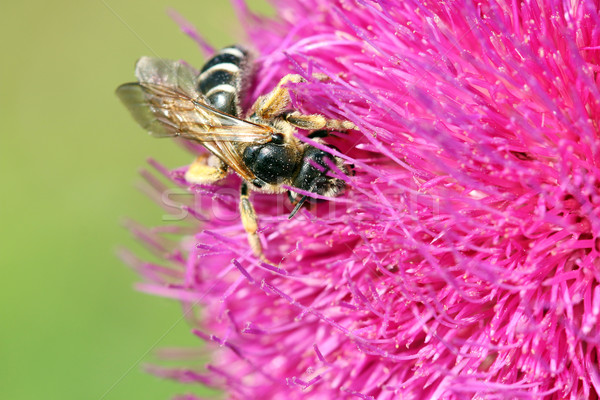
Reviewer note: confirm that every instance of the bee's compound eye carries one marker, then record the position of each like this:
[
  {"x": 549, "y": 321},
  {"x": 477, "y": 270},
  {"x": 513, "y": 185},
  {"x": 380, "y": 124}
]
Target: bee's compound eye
[{"x": 277, "y": 138}]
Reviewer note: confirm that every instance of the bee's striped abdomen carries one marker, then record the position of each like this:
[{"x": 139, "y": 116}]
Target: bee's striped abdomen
[{"x": 220, "y": 79}]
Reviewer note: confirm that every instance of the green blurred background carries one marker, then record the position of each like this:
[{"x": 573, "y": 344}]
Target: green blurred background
[{"x": 71, "y": 325}]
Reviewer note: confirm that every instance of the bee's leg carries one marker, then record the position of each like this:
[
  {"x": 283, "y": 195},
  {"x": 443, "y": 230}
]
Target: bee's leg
[
  {"x": 206, "y": 169},
  {"x": 249, "y": 221},
  {"x": 278, "y": 100},
  {"x": 317, "y": 122},
  {"x": 277, "y": 103},
  {"x": 321, "y": 133}
]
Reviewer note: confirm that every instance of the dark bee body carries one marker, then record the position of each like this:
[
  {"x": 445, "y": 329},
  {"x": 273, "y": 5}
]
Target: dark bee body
[
  {"x": 170, "y": 99},
  {"x": 221, "y": 80}
]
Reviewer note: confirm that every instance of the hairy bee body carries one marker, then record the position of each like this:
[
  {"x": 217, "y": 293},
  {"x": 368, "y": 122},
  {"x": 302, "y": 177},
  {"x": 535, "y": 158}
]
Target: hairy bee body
[{"x": 171, "y": 99}]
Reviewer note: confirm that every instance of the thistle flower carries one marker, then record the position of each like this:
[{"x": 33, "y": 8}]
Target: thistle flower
[{"x": 462, "y": 260}]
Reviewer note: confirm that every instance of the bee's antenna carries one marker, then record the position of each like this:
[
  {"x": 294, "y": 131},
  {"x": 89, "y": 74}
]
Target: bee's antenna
[{"x": 298, "y": 205}]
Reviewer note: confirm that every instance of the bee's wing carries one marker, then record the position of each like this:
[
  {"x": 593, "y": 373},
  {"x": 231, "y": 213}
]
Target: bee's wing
[
  {"x": 165, "y": 112},
  {"x": 168, "y": 73},
  {"x": 166, "y": 103}
]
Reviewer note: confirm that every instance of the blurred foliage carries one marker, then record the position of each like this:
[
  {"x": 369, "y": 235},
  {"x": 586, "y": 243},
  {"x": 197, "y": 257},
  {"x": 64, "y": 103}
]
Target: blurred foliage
[{"x": 72, "y": 326}]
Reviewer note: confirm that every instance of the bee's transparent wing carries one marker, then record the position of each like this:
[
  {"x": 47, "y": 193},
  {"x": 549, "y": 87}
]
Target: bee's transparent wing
[
  {"x": 168, "y": 73},
  {"x": 165, "y": 112},
  {"x": 166, "y": 103}
]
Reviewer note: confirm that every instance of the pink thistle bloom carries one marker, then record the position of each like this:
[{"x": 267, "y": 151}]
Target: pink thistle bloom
[{"x": 462, "y": 260}]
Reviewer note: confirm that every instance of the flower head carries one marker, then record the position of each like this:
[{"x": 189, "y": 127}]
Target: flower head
[{"x": 462, "y": 261}]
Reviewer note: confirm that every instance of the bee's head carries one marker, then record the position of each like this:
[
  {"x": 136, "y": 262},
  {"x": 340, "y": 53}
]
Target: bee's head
[{"x": 312, "y": 176}]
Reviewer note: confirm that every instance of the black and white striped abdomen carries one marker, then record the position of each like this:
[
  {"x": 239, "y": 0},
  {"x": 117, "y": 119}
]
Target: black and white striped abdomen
[{"x": 221, "y": 77}]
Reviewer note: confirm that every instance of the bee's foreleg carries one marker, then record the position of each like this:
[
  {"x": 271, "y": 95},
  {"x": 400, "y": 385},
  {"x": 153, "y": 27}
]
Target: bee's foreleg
[
  {"x": 277, "y": 104},
  {"x": 278, "y": 100},
  {"x": 317, "y": 122},
  {"x": 249, "y": 221},
  {"x": 206, "y": 169}
]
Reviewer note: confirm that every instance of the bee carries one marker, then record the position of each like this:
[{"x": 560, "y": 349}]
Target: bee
[{"x": 170, "y": 99}]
